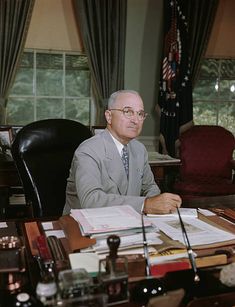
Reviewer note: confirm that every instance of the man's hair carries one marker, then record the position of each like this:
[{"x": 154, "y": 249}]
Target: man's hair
[{"x": 113, "y": 97}]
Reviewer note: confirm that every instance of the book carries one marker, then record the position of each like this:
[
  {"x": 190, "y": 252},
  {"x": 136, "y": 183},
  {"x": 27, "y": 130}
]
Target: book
[
  {"x": 168, "y": 255},
  {"x": 161, "y": 269}
]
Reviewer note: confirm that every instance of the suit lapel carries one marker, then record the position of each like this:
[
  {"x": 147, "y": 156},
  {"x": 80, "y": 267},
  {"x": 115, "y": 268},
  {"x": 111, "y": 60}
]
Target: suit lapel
[
  {"x": 114, "y": 164},
  {"x": 135, "y": 168}
]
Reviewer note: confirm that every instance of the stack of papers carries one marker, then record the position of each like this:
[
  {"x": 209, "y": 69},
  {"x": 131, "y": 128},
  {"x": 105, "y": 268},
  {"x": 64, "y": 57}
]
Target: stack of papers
[
  {"x": 95, "y": 221},
  {"x": 154, "y": 156},
  {"x": 17, "y": 199},
  {"x": 123, "y": 221},
  {"x": 128, "y": 242}
]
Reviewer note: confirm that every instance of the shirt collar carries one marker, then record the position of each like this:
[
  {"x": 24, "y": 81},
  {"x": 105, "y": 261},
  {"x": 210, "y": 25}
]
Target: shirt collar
[{"x": 118, "y": 144}]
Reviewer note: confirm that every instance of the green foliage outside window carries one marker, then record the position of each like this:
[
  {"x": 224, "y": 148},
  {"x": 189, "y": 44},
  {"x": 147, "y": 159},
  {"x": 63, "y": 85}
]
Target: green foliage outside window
[
  {"x": 50, "y": 85},
  {"x": 214, "y": 94}
]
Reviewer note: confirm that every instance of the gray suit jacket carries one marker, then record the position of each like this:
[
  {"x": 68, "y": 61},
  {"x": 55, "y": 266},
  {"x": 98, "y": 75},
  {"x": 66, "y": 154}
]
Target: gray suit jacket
[{"x": 98, "y": 179}]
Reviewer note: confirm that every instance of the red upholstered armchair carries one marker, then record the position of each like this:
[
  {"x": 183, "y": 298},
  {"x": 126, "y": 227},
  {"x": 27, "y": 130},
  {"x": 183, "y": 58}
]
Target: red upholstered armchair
[{"x": 206, "y": 153}]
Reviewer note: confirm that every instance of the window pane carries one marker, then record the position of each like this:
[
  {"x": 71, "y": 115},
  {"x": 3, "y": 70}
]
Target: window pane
[
  {"x": 227, "y": 115},
  {"x": 49, "y": 75},
  {"x": 209, "y": 69},
  {"x": 227, "y": 69},
  {"x": 214, "y": 93},
  {"x": 204, "y": 113},
  {"x": 20, "y": 111},
  {"x": 77, "y": 83},
  {"x": 78, "y": 109},
  {"x": 23, "y": 84},
  {"x": 205, "y": 90},
  {"x": 77, "y": 76},
  {"x": 49, "y": 108},
  {"x": 224, "y": 90},
  {"x": 232, "y": 90}
]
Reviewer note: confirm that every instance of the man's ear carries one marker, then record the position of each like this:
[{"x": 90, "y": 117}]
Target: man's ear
[{"x": 108, "y": 116}]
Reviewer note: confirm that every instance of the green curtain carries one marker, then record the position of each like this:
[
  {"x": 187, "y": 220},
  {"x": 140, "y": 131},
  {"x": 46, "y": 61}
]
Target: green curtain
[
  {"x": 201, "y": 15},
  {"x": 15, "y": 16},
  {"x": 102, "y": 24}
]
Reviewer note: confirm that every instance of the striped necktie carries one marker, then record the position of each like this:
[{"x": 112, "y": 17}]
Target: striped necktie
[{"x": 125, "y": 159}]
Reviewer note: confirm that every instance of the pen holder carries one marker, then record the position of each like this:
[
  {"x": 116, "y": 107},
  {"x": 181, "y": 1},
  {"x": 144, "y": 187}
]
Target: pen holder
[{"x": 114, "y": 281}]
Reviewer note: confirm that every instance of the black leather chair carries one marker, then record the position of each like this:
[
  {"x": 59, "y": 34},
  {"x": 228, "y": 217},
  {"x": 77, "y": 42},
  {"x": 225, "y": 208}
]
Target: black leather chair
[{"x": 43, "y": 151}]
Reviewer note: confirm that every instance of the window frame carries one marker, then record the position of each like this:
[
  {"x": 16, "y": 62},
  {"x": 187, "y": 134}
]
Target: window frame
[{"x": 35, "y": 97}]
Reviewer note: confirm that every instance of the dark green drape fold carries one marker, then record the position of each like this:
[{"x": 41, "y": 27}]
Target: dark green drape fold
[
  {"x": 201, "y": 15},
  {"x": 15, "y": 16},
  {"x": 102, "y": 24}
]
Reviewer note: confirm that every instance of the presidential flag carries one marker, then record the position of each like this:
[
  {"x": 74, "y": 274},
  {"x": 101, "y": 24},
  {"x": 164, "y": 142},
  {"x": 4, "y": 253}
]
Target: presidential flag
[{"x": 175, "y": 92}]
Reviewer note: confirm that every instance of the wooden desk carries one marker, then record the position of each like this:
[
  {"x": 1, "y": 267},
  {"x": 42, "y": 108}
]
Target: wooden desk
[
  {"x": 210, "y": 284},
  {"x": 10, "y": 183},
  {"x": 226, "y": 201},
  {"x": 165, "y": 173},
  {"x": 8, "y": 173}
]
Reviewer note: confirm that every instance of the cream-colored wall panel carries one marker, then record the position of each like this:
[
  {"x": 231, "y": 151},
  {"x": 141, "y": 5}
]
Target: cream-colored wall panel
[
  {"x": 53, "y": 26},
  {"x": 143, "y": 52},
  {"x": 221, "y": 43}
]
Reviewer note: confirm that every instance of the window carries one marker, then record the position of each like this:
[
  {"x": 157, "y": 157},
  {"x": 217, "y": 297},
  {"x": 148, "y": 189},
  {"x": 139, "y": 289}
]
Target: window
[
  {"x": 214, "y": 94},
  {"x": 50, "y": 85}
]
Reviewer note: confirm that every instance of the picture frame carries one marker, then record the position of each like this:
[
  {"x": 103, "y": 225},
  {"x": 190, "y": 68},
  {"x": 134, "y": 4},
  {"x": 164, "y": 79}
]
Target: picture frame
[
  {"x": 6, "y": 138},
  {"x": 97, "y": 129}
]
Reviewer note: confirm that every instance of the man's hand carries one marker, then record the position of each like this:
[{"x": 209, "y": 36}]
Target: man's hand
[{"x": 162, "y": 204}]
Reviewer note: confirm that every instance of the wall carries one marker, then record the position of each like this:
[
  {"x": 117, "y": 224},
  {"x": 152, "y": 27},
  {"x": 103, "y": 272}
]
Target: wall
[
  {"x": 222, "y": 43},
  {"x": 143, "y": 51},
  {"x": 53, "y": 26}
]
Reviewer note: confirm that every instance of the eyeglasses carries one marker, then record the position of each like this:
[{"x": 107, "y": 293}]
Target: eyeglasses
[{"x": 128, "y": 113}]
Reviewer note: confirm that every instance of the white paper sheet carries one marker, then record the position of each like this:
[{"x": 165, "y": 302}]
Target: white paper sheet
[
  {"x": 184, "y": 212},
  {"x": 206, "y": 212},
  {"x": 129, "y": 242},
  {"x": 3, "y": 225},
  {"x": 199, "y": 232},
  {"x": 87, "y": 261},
  {"x": 58, "y": 233},
  {"x": 47, "y": 225}
]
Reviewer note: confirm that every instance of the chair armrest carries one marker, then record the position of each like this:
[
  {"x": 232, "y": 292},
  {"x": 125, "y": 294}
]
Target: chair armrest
[
  {"x": 233, "y": 169},
  {"x": 233, "y": 164}
]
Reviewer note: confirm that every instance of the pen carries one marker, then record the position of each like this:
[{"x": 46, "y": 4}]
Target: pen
[{"x": 189, "y": 249}]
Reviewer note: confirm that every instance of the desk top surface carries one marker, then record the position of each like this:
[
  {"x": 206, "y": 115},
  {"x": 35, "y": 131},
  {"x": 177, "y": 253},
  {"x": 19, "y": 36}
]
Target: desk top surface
[
  {"x": 225, "y": 201},
  {"x": 181, "y": 277}
]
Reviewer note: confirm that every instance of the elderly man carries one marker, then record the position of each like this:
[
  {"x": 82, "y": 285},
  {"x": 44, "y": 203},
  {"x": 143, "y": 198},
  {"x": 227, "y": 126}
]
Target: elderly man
[{"x": 111, "y": 168}]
